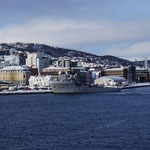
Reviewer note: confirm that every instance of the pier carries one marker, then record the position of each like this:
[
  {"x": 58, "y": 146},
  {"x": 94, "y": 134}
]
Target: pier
[
  {"x": 136, "y": 85},
  {"x": 21, "y": 92}
]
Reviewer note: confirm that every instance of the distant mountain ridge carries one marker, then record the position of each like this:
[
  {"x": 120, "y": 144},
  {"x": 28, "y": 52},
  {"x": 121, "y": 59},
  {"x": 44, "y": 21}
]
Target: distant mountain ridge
[
  {"x": 50, "y": 50},
  {"x": 61, "y": 52}
]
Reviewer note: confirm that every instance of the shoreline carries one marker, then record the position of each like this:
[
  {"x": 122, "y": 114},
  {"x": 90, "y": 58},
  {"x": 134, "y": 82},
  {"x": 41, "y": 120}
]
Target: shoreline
[
  {"x": 26, "y": 92},
  {"x": 137, "y": 85}
]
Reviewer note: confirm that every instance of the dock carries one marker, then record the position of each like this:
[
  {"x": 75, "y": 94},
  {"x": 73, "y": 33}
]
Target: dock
[
  {"x": 136, "y": 85},
  {"x": 22, "y": 92},
  {"x": 28, "y": 92}
]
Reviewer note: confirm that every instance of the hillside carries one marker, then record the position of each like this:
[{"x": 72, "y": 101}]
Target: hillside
[
  {"x": 61, "y": 52},
  {"x": 50, "y": 50}
]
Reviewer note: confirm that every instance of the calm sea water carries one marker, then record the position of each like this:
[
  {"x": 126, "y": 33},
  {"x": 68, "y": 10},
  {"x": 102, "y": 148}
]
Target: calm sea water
[{"x": 112, "y": 121}]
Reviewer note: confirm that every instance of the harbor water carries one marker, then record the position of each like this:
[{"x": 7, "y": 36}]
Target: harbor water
[{"x": 96, "y": 121}]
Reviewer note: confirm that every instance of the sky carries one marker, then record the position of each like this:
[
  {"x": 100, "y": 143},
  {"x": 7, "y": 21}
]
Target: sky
[{"x": 103, "y": 27}]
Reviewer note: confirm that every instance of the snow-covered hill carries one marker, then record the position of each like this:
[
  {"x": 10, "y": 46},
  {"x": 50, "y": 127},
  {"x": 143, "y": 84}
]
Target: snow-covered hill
[{"x": 61, "y": 52}]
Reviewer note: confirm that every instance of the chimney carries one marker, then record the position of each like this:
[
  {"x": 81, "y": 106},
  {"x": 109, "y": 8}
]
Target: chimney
[{"x": 145, "y": 64}]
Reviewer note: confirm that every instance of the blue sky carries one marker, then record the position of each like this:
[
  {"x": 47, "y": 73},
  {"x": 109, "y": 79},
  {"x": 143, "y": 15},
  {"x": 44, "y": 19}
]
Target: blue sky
[{"x": 116, "y": 27}]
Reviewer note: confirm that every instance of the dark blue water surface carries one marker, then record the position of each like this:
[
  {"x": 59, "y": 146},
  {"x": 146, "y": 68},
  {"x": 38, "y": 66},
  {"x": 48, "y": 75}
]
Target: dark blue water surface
[{"x": 110, "y": 121}]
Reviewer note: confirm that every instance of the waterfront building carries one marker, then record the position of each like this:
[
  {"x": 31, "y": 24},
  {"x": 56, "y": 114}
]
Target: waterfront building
[
  {"x": 55, "y": 71},
  {"x": 40, "y": 81},
  {"x": 142, "y": 75},
  {"x": 110, "y": 81},
  {"x": 131, "y": 74},
  {"x": 114, "y": 72},
  {"x": 128, "y": 73},
  {"x": 84, "y": 77},
  {"x": 18, "y": 75}
]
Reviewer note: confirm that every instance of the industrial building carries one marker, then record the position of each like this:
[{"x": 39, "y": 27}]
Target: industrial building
[
  {"x": 111, "y": 81},
  {"x": 131, "y": 74}
]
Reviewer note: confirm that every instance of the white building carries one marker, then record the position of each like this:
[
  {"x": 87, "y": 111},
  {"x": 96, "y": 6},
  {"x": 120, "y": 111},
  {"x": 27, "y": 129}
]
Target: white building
[
  {"x": 40, "y": 81},
  {"x": 96, "y": 74},
  {"x": 111, "y": 81},
  {"x": 37, "y": 60},
  {"x": 63, "y": 62}
]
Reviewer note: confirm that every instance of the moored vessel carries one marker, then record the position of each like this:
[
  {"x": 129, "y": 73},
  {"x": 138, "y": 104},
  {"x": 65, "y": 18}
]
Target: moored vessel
[{"x": 68, "y": 86}]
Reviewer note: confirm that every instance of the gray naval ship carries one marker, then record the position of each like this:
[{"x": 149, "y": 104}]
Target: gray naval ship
[{"x": 69, "y": 86}]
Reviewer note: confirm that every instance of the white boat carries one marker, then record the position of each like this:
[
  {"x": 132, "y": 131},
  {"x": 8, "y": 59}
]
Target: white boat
[{"x": 70, "y": 86}]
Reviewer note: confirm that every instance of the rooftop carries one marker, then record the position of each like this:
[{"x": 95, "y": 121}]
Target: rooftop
[
  {"x": 115, "y": 78},
  {"x": 22, "y": 68}
]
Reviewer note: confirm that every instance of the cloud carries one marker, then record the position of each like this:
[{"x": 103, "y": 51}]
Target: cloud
[
  {"x": 135, "y": 51},
  {"x": 72, "y": 33}
]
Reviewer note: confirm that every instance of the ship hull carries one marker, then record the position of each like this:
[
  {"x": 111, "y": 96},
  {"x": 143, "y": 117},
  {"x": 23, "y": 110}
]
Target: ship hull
[{"x": 70, "y": 88}]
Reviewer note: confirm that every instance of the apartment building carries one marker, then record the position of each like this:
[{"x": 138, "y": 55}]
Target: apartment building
[{"x": 37, "y": 60}]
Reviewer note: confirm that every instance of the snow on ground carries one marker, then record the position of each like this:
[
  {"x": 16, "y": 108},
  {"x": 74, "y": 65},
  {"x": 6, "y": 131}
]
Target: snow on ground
[
  {"x": 12, "y": 60},
  {"x": 25, "y": 92},
  {"x": 139, "y": 84}
]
